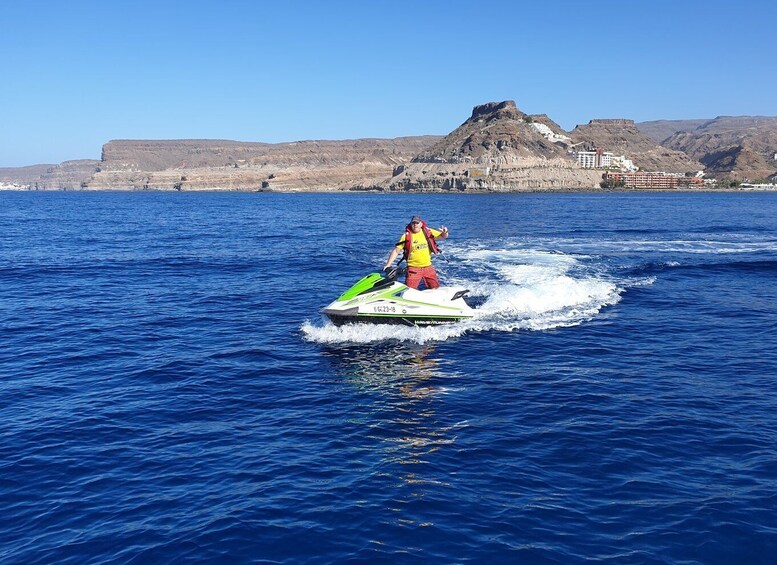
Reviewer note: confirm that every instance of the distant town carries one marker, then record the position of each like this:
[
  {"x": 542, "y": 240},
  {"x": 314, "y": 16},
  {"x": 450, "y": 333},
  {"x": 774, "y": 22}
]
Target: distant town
[{"x": 621, "y": 172}]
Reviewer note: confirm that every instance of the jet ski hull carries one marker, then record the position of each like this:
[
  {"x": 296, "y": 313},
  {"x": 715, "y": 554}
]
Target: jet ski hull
[
  {"x": 377, "y": 299},
  {"x": 339, "y": 320}
]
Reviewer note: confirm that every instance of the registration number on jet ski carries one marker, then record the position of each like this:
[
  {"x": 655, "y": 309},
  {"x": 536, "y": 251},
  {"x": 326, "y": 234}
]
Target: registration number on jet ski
[{"x": 385, "y": 309}]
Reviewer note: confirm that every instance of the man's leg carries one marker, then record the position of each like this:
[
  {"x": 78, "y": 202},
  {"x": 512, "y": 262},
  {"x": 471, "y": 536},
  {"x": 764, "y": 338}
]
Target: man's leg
[
  {"x": 430, "y": 277},
  {"x": 414, "y": 275}
]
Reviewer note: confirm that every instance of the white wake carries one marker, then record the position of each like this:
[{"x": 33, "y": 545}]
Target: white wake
[{"x": 515, "y": 289}]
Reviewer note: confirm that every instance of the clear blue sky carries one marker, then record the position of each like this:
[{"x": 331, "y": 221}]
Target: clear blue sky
[{"x": 78, "y": 73}]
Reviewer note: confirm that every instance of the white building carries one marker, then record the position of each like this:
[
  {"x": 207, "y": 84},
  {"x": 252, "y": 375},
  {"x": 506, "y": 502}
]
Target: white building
[
  {"x": 587, "y": 159},
  {"x": 624, "y": 164},
  {"x": 13, "y": 186},
  {"x": 549, "y": 134},
  {"x": 604, "y": 160},
  {"x": 594, "y": 159}
]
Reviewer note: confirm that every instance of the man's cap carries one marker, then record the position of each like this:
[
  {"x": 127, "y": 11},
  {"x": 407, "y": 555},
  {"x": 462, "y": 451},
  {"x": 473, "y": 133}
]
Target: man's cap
[{"x": 416, "y": 219}]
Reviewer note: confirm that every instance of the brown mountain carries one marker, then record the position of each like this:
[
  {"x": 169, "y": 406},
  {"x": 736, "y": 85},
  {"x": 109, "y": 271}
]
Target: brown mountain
[
  {"x": 659, "y": 130},
  {"x": 741, "y": 148},
  {"x": 498, "y": 148},
  {"x": 623, "y": 137},
  {"x": 496, "y": 133},
  {"x": 23, "y": 175}
]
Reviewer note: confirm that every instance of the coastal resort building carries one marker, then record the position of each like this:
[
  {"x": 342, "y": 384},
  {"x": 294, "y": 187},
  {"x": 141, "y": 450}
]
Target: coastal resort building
[
  {"x": 642, "y": 179},
  {"x": 601, "y": 159}
]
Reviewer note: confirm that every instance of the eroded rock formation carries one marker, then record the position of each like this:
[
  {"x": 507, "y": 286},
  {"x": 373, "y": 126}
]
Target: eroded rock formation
[
  {"x": 622, "y": 137},
  {"x": 497, "y": 149},
  {"x": 231, "y": 165},
  {"x": 739, "y": 148}
]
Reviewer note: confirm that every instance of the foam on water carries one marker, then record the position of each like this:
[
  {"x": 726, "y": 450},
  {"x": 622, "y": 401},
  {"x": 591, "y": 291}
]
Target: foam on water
[
  {"x": 704, "y": 245},
  {"x": 516, "y": 289}
]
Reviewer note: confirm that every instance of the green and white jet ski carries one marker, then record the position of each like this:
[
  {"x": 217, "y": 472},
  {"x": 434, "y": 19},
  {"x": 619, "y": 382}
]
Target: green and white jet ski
[{"x": 379, "y": 298}]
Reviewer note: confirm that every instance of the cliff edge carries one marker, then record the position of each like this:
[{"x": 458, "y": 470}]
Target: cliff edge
[{"x": 233, "y": 165}]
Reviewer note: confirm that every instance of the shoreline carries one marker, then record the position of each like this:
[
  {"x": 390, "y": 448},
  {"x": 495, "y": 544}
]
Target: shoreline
[{"x": 411, "y": 192}]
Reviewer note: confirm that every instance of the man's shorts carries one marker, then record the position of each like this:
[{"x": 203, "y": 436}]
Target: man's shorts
[{"x": 426, "y": 274}]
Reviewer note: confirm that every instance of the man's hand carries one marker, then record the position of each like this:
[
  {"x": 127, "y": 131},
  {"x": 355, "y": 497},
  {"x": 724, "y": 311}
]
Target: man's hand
[{"x": 443, "y": 231}]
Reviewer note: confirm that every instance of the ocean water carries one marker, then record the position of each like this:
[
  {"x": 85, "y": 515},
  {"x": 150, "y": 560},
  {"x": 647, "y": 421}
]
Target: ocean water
[{"x": 170, "y": 393}]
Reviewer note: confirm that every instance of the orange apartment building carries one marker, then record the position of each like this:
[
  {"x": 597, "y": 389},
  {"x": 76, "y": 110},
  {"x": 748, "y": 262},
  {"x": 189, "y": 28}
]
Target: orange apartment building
[{"x": 642, "y": 179}]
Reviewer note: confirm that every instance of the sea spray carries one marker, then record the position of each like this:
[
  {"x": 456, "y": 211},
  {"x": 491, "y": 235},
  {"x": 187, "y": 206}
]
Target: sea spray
[{"x": 514, "y": 289}]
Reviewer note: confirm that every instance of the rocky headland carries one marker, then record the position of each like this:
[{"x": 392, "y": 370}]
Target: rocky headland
[
  {"x": 66, "y": 175},
  {"x": 498, "y": 148},
  {"x": 231, "y": 165}
]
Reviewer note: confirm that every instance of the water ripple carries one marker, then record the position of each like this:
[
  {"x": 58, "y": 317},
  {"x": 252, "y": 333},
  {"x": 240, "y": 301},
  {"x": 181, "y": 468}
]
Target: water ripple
[{"x": 165, "y": 400}]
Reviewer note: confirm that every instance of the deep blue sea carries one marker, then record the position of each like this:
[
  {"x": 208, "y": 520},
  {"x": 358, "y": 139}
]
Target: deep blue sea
[{"x": 169, "y": 392}]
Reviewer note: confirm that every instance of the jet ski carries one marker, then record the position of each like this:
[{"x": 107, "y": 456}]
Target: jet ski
[{"x": 379, "y": 298}]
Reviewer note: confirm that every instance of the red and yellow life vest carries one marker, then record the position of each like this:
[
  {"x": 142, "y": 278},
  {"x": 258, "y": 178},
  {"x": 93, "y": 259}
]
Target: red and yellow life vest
[{"x": 409, "y": 240}]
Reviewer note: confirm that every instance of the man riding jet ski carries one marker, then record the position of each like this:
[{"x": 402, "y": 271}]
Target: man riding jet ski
[
  {"x": 380, "y": 298},
  {"x": 417, "y": 244}
]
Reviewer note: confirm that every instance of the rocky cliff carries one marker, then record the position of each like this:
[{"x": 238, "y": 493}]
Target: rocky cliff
[
  {"x": 69, "y": 175},
  {"x": 498, "y": 148},
  {"x": 739, "y": 148},
  {"x": 622, "y": 137},
  {"x": 23, "y": 175},
  {"x": 211, "y": 164},
  {"x": 495, "y": 134}
]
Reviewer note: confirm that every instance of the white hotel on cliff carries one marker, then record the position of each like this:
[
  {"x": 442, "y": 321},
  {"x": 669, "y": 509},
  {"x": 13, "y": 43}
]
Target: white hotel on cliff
[{"x": 600, "y": 159}]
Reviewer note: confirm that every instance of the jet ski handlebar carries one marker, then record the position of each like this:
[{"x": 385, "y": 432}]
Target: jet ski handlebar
[{"x": 393, "y": 272}]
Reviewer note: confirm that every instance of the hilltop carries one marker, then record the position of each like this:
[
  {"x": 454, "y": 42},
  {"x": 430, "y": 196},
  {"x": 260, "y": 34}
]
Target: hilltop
[
  {"x": 497, "y": 133},
  {"x": 498, "y": 148},
  {"x": 659, "y": 130}
]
